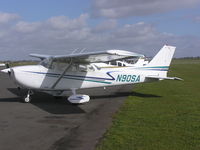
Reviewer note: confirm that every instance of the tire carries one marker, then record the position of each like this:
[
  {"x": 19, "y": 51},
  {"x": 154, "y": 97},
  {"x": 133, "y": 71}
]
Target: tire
[{"x": 27, "y": 99}]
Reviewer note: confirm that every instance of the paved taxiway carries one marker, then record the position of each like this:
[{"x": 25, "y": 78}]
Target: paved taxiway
[{"x": 48, "y": 124}]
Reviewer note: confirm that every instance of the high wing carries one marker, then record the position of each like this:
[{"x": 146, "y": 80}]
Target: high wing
[
  {"x": 41, "y": 56},
  {"x": 91, "y": 57}
]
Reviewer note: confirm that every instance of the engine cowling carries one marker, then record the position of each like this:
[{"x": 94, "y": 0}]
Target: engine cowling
[{"x": 78, "y": 99}]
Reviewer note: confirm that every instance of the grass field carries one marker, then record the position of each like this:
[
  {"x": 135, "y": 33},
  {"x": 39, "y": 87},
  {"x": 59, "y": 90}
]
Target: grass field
[{"x": 160, "y": 116}]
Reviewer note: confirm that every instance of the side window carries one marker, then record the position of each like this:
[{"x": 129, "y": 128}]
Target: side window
[
  {"x": 85, "y": 68},
  {"x": 91, "y": 68},
  {"x": 74, "y": 68},
  {"x": 44, "y": 63},
  {"x": 113, "y": 63},
  {"x": 82, "y": 68},
  {"x": 119, "y": 64}
]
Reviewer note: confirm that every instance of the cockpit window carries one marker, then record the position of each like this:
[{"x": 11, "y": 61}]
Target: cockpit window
[
  {"x": 113, "y": 63},
  {"x": 82, "y": 68},
  {"x": 119, "y": 64},
  {"x": 61, "y": 66},
  {"x": 85, "y": 68}
]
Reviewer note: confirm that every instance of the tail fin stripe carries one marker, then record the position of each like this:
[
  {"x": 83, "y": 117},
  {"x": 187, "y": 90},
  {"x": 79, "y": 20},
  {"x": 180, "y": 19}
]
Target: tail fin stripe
[{"x": 156, "y": 68}]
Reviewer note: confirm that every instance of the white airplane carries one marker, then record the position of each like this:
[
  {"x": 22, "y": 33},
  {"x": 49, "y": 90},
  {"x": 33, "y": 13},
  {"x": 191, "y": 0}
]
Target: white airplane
[{"x": 64, "y": 74}]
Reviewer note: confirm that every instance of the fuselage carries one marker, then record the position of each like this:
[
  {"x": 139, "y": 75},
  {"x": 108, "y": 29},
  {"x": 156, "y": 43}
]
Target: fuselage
[{"x": 40, "y": 77}]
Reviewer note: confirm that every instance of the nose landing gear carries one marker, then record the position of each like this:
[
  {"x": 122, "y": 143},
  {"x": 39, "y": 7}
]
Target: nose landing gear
[{"x": 27, "y": 98}]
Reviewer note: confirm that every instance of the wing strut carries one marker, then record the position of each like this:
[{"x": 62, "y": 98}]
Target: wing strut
[{"x": 60, "y": 77}]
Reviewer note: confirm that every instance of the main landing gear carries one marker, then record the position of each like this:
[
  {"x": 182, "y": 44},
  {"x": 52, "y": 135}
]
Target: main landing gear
[
  {"x": 78, "y": 99},
  {"x": 74, "y": 99},
  {"x": 27, "y": 98}
]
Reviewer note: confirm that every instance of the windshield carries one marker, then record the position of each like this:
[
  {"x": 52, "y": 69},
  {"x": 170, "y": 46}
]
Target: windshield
[{"x": 44, "y": 63}]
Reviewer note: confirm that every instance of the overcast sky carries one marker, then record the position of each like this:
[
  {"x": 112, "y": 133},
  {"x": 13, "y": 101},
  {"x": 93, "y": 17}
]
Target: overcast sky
[{"x": 61, "y": 26}]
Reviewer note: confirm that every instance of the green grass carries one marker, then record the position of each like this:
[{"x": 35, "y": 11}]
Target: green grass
[
  {"x": 165, "y": 116},
  {"x": 20, "y": 63}
]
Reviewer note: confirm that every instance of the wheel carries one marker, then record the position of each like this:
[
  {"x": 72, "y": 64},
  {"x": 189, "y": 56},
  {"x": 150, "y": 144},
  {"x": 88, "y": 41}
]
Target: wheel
[
  {"x": 27, "y": 99},
  {"x": 78, "y": 99}
]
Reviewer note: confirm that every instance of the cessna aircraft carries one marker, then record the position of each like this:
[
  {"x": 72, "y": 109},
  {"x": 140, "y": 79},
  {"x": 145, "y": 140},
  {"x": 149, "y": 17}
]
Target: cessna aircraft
[{"x": 58, "y": 75}]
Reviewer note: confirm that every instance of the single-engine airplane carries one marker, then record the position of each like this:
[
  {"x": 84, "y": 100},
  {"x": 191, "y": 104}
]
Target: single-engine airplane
[{"x": 58, "y": 75}]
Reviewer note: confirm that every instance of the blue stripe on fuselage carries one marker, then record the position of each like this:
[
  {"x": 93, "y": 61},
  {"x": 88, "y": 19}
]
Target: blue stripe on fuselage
[{"x": 88, "y": 77}]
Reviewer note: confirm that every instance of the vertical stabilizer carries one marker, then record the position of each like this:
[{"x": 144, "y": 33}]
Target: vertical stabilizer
[
  {"x": 161, "y": 62},
  {"x": 163, "y": 57}
]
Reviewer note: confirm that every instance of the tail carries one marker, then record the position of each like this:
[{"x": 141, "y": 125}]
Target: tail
[
  {"x": 163, "y": 57},
  {"x": 159, "y": 65},
  {"x": 162, "y": 60}
]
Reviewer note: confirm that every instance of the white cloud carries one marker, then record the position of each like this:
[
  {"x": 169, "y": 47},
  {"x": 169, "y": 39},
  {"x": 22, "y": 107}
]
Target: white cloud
[
  {"x": 27, "y": 27},
  {"x": 61, "y": 35},
  {"x": 7, "y": 17},
  {"x": 126, "y": 8},
  {"x": 63, "y": 22},
  {"x": 106, "y": 25}
]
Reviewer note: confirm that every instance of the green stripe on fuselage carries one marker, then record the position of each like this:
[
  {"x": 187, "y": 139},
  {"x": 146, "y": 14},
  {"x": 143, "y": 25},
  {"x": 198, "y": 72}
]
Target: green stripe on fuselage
[{"x": 105, "y": 82}]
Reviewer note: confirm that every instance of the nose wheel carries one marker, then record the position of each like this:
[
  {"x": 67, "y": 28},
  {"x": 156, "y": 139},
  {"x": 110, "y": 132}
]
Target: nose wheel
[{"x": 27, "y": 98}]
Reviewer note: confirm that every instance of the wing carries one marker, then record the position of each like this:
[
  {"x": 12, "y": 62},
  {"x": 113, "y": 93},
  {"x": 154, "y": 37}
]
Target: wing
[
  {"x": 92, "y": 57},
  {"x": 41, "y": 56}
]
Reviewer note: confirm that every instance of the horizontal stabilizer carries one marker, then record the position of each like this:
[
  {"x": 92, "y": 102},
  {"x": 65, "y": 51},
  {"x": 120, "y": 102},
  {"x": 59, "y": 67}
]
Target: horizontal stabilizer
[{"x": 163, "y": 78}]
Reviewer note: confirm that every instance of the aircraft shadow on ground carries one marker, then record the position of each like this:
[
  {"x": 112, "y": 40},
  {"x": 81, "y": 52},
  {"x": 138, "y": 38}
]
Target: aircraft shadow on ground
[
  {"x": 124, "y": 94},
  {"x": 51, "y": 105},
  {"x": 45, "y": 102}
]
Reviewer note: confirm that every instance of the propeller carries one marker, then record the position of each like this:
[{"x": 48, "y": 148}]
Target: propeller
[
  {"x": 8, "y": 70},
  {"x": 7, "y": 65}
]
